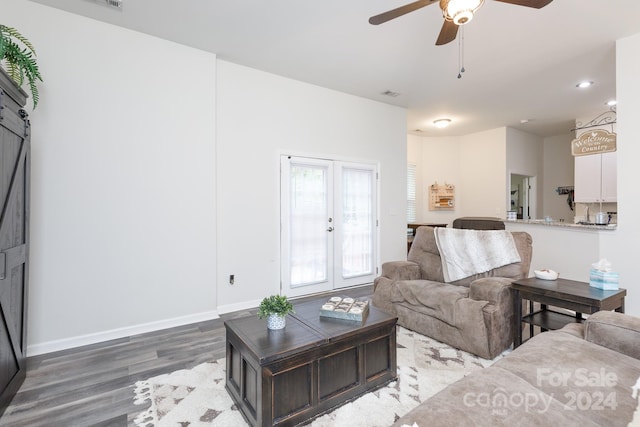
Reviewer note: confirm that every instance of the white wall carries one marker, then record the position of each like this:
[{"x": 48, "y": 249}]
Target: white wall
[
  {"x": 123, "y": 181},
  {"x": 524, "y": 157},
  {"x": 260, "y": 117},
  {"x": 480, "y": 165},
  {"x": 483, "y": 187},
  {"x": 414, "y": 156},
  {"x": 557, "y": 172},
  {"x": 620, "y": 246},
  {"x": 475, "y": 164},
  {"x": 437, "y": 160},
  {"x": 567, "y": 250}
]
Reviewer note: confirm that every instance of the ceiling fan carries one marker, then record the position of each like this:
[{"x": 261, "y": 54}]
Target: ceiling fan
[{"x": 455, "y": 13}]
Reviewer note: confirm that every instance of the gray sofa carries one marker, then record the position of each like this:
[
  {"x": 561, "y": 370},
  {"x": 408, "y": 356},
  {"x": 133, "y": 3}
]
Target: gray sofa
[
  {"x": 583, "y": 375},
  {"x": 474, "y": 314}
]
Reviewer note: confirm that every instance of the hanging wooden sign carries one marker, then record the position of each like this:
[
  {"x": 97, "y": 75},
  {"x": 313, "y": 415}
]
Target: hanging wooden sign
[{"x": 594, "y": 142}]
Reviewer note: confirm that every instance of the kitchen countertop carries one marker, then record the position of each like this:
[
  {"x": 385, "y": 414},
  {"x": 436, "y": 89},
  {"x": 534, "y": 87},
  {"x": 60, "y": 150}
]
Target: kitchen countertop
[{"x": 560, "y": 224}]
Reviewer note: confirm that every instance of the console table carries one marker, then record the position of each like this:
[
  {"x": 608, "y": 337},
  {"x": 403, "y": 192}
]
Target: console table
[
  {"x": 414, "y": 226},
  {"x": 562, "y": 293},
  {"x": 285, "y": 377}
]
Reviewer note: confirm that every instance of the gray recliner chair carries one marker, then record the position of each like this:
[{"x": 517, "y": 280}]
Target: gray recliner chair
[{"x": 474, "y": 314}]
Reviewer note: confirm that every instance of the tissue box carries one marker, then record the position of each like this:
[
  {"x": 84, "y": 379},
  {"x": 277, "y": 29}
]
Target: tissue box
[{"x": 606, "y": 280}]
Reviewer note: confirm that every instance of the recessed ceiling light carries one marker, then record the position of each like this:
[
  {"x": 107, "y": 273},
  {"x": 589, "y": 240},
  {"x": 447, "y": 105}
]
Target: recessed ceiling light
[
  {"x": 112, "y": 3},
  {"x": 442, "y": 123},
  {"x": 390, "y": 93},
  {"x": 584, "y": 84},
  {"x": 523, "y": 121},
  {"x": 611, "y": 103}
]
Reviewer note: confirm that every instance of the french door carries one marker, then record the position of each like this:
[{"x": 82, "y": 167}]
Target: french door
[{"x": 329, "y": 226}]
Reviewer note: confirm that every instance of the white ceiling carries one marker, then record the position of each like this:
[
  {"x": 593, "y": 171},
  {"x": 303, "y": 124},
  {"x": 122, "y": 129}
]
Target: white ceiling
[{"x": 521, "y": 63}]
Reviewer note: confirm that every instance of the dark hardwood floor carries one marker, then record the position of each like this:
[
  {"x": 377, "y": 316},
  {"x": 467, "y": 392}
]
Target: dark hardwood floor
[{"x": 93, "y": 385}]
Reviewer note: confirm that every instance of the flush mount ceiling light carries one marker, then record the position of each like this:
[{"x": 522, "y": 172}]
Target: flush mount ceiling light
[
  {"x": 390, "y": 93},
  {"x": 459, "y": 12},
  {"x": 116, "y": 4},
  {"x": 442, "y": 123},
  {"x": 584, "y": 84}
]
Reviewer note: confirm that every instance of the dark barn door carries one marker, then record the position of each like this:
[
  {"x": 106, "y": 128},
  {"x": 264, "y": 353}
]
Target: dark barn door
[{"x": 14, "y": 238}]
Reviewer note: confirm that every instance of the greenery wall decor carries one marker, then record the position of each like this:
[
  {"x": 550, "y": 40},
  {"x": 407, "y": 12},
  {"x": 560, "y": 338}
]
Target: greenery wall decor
[{"x": 18, "y": 58}]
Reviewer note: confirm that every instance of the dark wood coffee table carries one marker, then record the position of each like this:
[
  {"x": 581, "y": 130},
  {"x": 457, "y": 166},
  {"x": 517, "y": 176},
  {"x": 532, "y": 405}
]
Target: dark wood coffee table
[
  {"x": 569, "y": 294},
  {"x": 315, "y": 364}
]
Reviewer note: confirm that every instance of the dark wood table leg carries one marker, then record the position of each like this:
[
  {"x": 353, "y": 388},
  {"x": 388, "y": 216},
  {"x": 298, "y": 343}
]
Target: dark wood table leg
[
  {"x": 530, "y": 324},
  {"x": 543, "y": 307},
  {"x": 621, "y": 308},
  {"x": 517, "y": 319}
]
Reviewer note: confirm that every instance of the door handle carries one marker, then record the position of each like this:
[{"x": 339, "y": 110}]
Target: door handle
[
  {"x": 330, "y": 229},
  {"x": 11, "y": 258}
]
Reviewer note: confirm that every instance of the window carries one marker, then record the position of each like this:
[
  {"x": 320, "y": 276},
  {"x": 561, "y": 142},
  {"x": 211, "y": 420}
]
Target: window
[{"x": 411, "y": 193}]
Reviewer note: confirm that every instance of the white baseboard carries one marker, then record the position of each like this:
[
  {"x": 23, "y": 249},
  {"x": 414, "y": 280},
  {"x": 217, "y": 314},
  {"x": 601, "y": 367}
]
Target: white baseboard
[
  {"x": 246, "y": 305},
  {"x": 72, "y": 342}
]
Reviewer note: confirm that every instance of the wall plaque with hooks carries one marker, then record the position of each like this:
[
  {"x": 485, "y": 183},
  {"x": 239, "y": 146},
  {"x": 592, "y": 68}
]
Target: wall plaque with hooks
[{"x": 442, "y": 197}]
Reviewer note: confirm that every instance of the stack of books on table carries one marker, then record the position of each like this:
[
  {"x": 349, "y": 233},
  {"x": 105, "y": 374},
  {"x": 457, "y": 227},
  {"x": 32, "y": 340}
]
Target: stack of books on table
[{"x": 345, "y": 308}]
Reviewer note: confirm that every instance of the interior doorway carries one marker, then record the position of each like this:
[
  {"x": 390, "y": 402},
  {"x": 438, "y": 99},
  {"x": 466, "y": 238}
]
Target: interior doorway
[{"x": 522, "y": 196}]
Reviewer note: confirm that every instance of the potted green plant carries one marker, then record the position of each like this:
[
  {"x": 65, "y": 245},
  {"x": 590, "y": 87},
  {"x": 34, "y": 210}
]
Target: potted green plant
[
  {"x": 275, "y": 308},
  {"x": 18, "y": 58}
]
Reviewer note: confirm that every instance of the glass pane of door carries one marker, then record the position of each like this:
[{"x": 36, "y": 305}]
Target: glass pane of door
[
  {"x": 356, "y": 227},
  {"x": 307, "y": 205}
]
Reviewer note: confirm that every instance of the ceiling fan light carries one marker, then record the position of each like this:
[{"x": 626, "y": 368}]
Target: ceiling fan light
[
  {"x": 463, "y": 17},
  {"x": 460, "y": 11},
  {"x": 442, "y": 123}
]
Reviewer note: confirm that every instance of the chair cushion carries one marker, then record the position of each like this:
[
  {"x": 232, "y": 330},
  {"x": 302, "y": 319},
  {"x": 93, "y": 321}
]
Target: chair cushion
[{"x": 436, "y": 299}]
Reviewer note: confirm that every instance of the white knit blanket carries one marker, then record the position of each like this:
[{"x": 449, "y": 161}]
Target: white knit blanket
[{"x": 468, "y": 252}]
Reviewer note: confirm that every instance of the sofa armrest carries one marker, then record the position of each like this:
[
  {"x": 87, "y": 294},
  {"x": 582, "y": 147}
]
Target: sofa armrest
[
  {"x": 492, "y": 289},
  {"x": 617, "y": 331},
  {"x": 401, "y": 270},
  {"x": 575, "y": 329}
]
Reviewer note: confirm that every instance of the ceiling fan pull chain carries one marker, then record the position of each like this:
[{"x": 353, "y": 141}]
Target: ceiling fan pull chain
[
  {"x": 460, "y": 56},
  {"x": 461, "y": 53},
  {"x": 462, "y": 70}
]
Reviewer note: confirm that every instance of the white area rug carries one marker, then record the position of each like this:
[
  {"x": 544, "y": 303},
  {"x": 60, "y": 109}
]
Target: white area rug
[{"x": 197, "y": 397}]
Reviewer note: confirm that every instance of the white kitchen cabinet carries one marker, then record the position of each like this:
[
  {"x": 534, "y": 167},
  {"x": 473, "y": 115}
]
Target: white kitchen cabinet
[
  {"x": 609, "y": 177},
  {"x": 595, "y": 178}
]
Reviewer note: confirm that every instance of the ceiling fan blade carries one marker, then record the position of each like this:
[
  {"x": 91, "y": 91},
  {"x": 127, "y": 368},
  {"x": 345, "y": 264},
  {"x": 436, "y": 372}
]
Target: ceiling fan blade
[
  {"x": 448, "y": 33},
  {"x": 402, "y": 10},
  {"x": 536, "y": 4}
]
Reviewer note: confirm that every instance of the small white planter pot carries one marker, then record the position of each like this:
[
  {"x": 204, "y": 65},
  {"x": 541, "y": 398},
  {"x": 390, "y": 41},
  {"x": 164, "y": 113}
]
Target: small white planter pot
[{"x": 275, "y": 321}]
